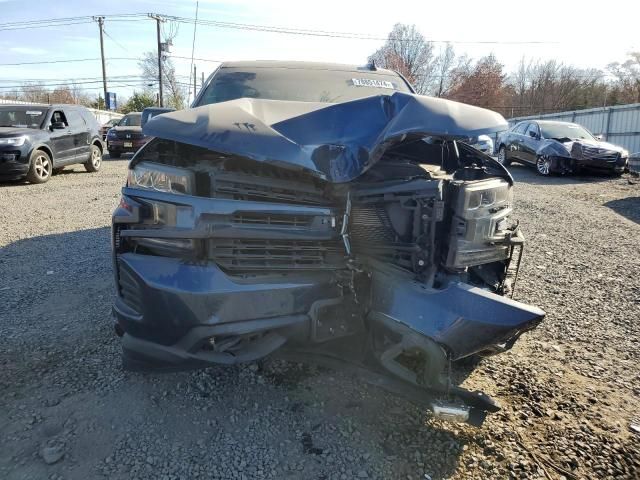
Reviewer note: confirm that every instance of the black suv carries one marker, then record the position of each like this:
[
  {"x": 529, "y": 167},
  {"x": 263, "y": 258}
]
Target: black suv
[{"x": 36, "y": 140}]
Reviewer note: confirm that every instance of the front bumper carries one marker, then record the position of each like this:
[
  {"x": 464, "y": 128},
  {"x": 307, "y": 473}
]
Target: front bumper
[
  {"x": 14, "y": 161},
  {"x": 169, "y": 310},
  {"x": 570, "y": 165}
]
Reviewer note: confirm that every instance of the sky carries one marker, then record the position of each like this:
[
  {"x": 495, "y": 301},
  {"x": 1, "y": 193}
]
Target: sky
[{"x": 585, "y": 34}]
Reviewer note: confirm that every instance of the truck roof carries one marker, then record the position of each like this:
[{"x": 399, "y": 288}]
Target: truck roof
[{"x": 305, "y": 66}]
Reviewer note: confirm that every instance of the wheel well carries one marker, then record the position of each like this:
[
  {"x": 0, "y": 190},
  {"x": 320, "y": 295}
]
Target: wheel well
[
  {"x": 98, "y": 144},
  {"x": 44, "y": 149}
]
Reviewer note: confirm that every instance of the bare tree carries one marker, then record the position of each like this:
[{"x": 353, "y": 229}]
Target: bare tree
[
  {"x": 627, "y": 78},
  {"x": 409, "y": 53},
  {"x": 444, "y": 66},
  {"x": 176, "y": 96},
  {"x": 34, "y": 92}
]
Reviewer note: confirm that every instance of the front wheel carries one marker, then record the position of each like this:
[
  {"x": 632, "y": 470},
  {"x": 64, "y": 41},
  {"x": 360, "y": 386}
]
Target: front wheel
[
  {"x": 543, "y": 165},
  {"x": 95, "y": 160},
  {"x": 502, "y": 156},
  {"x": 41, "y": 167}
]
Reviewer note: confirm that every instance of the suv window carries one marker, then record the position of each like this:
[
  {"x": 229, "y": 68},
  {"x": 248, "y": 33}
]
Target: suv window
[
  {"x": 533, "y": 128},
  {"x": 88, "y": 118},
  {"x": 75, "y": 120},
  {"x": 59, "y": 117},
  {"x": 130, "y": 120},
  {"x": 520, "y": 128}
]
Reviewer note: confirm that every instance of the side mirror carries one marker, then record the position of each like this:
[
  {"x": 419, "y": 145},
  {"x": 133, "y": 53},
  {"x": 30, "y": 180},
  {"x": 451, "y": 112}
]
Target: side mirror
[
  {"x": 58, "y": 126},
  {"x": 533, "y": 134}
]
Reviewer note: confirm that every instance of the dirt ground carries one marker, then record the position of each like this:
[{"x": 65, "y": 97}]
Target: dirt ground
[{"x": 570, "y": 390}]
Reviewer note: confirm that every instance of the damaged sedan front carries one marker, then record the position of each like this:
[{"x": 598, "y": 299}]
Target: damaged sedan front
[
  {"x": 360, "y": 233},
  {"x": 560, "y": 147}
]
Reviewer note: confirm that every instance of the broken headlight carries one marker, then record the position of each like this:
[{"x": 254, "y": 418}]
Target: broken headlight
[
  {"x": 161, "y": 178},
  {"x": 484, "y": 194},
  {"x": 479, "y": 223}
]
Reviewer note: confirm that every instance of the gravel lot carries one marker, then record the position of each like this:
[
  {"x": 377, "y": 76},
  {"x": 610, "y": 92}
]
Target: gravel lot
[{"x": 570, "y": 389}]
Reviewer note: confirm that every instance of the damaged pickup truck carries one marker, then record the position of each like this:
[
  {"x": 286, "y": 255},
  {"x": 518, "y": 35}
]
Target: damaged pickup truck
[{"x": 321, "y": 212}]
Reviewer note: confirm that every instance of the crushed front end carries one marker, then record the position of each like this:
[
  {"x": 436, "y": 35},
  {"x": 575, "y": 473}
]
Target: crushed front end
[{"x": 397, "y": 271}]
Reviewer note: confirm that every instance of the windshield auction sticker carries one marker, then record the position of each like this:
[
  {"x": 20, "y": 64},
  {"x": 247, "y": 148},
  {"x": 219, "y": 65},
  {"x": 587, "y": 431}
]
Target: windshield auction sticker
[{"x": 368, "y": 82}]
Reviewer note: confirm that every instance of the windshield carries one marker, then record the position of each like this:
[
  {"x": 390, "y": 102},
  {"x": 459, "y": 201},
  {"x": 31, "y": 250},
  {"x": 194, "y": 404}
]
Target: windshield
[
  {"x": 565, "y": 130},
  {"x": 24, "y": 117},
  {"x": 298, "y": 84},
  {"x": 130, "y": 120}
]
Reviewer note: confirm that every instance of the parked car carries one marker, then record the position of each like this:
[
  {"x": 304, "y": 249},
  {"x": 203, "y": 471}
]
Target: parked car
[
  {"x": 339, "y": 220},
  {"x": 559, "y": 147},
  {"x": 484, "y": 143},
  {"x": 126, "y": 136},
  {"x": 36, "y": 140},
  {"x": 104, "y": 129},
  {"x": 150, "y": 112}
]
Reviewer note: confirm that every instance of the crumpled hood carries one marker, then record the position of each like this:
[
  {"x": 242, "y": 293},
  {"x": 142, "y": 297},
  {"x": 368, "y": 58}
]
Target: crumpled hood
[{"x": 337, "y": 142}]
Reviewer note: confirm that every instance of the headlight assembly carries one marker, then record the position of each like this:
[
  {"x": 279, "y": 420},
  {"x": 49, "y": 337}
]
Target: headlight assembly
[
  {"x": 161, "y": 178},
  {"x": 15, "y": 141},
  {"x": 496, "y": 192}
]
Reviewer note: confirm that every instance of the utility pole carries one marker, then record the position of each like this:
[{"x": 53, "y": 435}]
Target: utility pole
[
  {"x": 194, "y": 82},
  {"x": 158, "y": 20},
  {"x": 104, "y": 71}
]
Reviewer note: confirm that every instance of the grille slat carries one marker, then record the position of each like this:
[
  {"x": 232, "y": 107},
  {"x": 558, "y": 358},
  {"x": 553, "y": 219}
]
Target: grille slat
[
  {"x": 596, "y": 153},
  {"x": 238, "y": 254}
]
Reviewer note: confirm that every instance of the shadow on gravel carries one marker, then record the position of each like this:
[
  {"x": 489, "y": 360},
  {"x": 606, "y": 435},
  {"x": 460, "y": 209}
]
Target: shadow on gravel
[
  {"x": 627, "y": 207},
  {"x": 51, "y": 264},
  {"x": 522, "y": 173}
]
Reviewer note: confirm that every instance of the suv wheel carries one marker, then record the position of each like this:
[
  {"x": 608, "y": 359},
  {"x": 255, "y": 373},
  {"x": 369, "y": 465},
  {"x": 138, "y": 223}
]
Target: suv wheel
[
  {"x": 502, "y": 156},
  {"x": 41, "y": 167},
  {"x": 95, "y": 160},
  {"x": 543, "y": 165}
]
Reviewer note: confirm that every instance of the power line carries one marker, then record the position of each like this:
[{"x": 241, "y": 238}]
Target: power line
[
  {"x": 69, "y": 83},
  {"x": 66, "y": 61},
  {"x": 259, "y": 28}
]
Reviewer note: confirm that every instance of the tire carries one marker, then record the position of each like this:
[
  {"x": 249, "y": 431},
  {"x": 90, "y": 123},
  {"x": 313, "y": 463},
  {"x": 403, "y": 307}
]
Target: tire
[
  {"x": 95, "y": 159},
  {"x": 543, "y": 165},
  {"x": 41, "y": 167},
  {"x": 115, "y": 154},
  {"x": 502, "y": 156}
]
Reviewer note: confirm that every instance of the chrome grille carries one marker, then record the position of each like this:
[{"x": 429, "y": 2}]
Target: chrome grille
[{"x": 598, "y": 153}]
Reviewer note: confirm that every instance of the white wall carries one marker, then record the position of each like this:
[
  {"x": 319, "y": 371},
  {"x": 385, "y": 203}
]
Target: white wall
[{"x": 103, "y": 116}]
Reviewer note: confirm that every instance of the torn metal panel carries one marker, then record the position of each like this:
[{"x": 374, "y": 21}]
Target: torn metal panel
[{"x": 332, "y": 141}]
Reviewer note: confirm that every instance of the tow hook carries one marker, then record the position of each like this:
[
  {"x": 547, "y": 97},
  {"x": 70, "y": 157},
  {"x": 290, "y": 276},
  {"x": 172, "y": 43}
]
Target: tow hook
[{"x": 450, "y": 412}]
